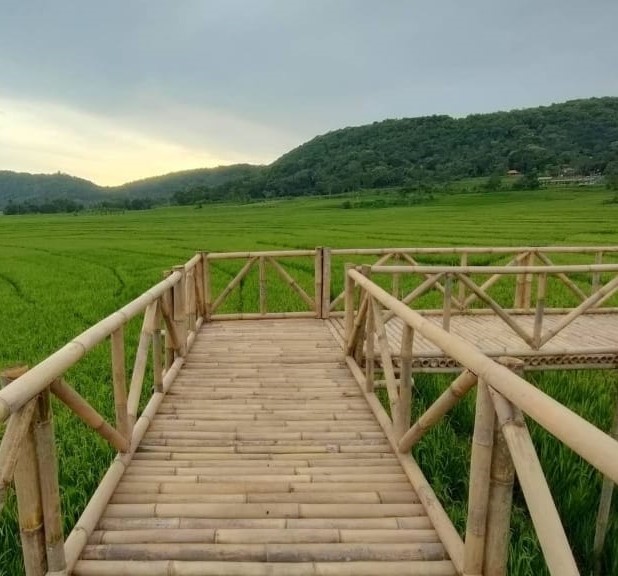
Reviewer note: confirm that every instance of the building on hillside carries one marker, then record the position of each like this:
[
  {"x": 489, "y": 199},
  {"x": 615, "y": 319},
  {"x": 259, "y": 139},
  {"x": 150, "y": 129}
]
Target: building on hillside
[{"x": 513, "y": 173}]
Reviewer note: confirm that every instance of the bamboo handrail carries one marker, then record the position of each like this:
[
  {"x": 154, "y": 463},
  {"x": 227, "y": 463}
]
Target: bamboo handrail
[
  {"x": 578, "y": 434},
  {"x": 26, "y": 387},
  {"x": 553, "y": 269},
  {"x": 474, "y": 250}
]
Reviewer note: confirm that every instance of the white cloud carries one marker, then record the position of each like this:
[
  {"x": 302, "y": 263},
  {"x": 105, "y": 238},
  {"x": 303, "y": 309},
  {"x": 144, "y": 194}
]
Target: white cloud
[{"x": 45, "y": 137}]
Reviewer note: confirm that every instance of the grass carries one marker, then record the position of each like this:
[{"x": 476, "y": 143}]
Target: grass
[{"x": 61, "y": 274}]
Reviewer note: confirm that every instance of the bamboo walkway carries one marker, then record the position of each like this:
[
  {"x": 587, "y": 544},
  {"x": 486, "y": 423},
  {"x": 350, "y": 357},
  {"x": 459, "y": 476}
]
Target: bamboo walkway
[
  {"x": 590, "y": 341},
  {"x": 264, "y": 458}
]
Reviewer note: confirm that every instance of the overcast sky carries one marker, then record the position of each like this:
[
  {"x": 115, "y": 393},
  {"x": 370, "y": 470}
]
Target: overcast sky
[{"x": 116, "y": 90}]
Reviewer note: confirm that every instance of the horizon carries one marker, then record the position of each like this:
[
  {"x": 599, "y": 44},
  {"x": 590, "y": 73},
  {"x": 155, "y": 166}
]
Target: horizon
[{"x": 199, "y": 85}]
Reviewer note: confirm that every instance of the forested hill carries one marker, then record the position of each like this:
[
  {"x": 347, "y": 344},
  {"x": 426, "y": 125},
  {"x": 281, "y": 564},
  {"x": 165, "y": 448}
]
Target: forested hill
[
  {"x": 580, "y": 134},
  {"x": 40, "y": 188}
]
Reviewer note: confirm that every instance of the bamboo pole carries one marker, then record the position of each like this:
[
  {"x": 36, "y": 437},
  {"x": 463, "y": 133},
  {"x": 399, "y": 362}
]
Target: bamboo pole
[
  {"x": 139, "y": 367},
  {"x": 519, "y": 286},
  {"x": 504, "y": 270},
  {"x": 16, "y": 394},
  {"x": 180, "y": 312},
  {"x": 549, "y": 529},
  {"x": 475, "y": 250},
  {"x": 387, "y": 367},
  {"x": 235, "y": 281},
  {"x": 48, "y": 480},
  {"x": 291, "y": 282},
  {"x": 581, "y": 436},
  {"x": 370, "y": 352},
  {"x": 478, "y": 497},
  {"x": 199, "y": 286},
  {"x": 605, "y": 503},
  {"x": 446, "y": 401},
  {"x": 446, "y": 307},
  {"x": 170, "y": 343},
  {"x": 207, "y": 279},
  {"x": 257, "y": 254},
  {"x": 190, "y": 301},
  {"x": 326, "y": 281},
  {"x": 88, "y": 414},
  {"x": 463, "y": 261},
  {"x": 405, "y": 380},
  {"x": 10, "y": 446},
  {"x": 416, "y": 293},
  {"x": 602, "y": 293},
  {"x": 28, "y": 490},
  {"x": 565, "y": 279},
  {"x": 527, "y": 293},
  {"x": 349, "y": 304},
  {"x": 497, "y": 309},
  {"x": 262, "y": 285},
  {"x": 540, "y": 308},
  {"x": 318, "y": 281},
  {"x": 119, "y": 376},
  {"x": 157, "y": 350},
  {"x": 502, "y": 476},
  {"x": 427, "y": 271},
  {"x": 596, "y": 276},
  {"x": 493, "y": 280}
]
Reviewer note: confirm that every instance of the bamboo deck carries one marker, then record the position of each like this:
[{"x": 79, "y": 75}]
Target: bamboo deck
[
  {"x": 591, "y": 341},
  {"x": 264, "y": 458}
]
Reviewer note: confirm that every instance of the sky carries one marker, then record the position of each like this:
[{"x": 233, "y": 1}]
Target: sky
[{"x": 119, "y": 90}]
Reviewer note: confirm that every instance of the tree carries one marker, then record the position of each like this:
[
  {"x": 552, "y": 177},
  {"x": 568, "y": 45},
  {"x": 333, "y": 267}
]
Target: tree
[
  {"x": 493, "y": 183},
  {"x": 611, "y": 175},
  {"x": 529, "y": 181}
]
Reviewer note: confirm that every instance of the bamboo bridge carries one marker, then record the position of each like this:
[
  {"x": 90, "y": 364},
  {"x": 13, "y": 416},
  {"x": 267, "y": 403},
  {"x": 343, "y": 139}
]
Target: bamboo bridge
[{"x": 263, "y": 449}]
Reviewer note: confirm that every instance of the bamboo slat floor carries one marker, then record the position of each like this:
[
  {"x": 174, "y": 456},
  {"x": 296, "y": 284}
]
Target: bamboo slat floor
[
  {"x": 577, "y": 346},
  {"x": 265, "y": 459}
]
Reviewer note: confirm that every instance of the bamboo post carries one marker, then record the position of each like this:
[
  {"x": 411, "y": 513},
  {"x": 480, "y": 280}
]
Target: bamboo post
[
  {"x": 502, "y": 477},
  {"x": 48, "y": 479},
  {"x": 199, "y": 286},
  {"x": 480, "y": 467},
  {"x": 540, "y": 310},
  {"x": 596, "y": 276},
  {"x": 520, "y": 281},
  {"x": 527, "y": 287},
  {"x": 180, "y": 310},
  {"x": 157, "y": 359},
  {"x": 318, "y": 281},
  {"x": 462, "y": 287},
  {"x": 262, "y": 284},
  {"x": 28, "y": 490},
  {"x": 370, "y": 351},
  {"x": 326, "y": 280},
  {"x": 605, "y": 503},
  {"x": 446, "y": 309},
  {"x": 167, "y": 303},
  {"x": 396, "y": 281},
  {"x": 549, "y": 529},
  {"x": 349, "y": 304},
  {"x": 119, "y": 375},
  {"x": 405, "y": 380},
  {"x": 207, "y": 280},
  {"x": 190, "y": 290}
]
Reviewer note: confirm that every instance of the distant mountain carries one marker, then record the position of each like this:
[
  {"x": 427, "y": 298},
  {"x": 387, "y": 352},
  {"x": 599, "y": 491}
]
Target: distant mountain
[
  {"x": 579, "y": 136},
  {"x": 22, "y": 187}
]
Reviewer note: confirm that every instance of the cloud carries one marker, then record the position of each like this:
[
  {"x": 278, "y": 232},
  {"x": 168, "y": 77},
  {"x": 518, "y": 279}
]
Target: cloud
[{"x": 39, "y": 136}]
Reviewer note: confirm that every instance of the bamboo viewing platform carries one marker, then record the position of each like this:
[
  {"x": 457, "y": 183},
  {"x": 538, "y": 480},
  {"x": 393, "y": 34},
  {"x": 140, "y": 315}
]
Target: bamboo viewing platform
[{"x": 264, "y": 449}]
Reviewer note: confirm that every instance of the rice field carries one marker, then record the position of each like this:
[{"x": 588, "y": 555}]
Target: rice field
[{"x": 61, "y": 274}]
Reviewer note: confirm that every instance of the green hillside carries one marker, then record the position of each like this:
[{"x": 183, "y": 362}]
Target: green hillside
[{"x": 580, "y": 136}]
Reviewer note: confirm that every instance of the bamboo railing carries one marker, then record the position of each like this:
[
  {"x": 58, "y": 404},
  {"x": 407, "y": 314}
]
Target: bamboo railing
[
  {"x": 174, "y": 307},
  {"x": 173, "y": 311},
  {"x": 465, "y": 277},
  {"x": 462, "y": 256},
  {"x": 501, "y": 443},
  {"x": 264, "y": 261}
]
